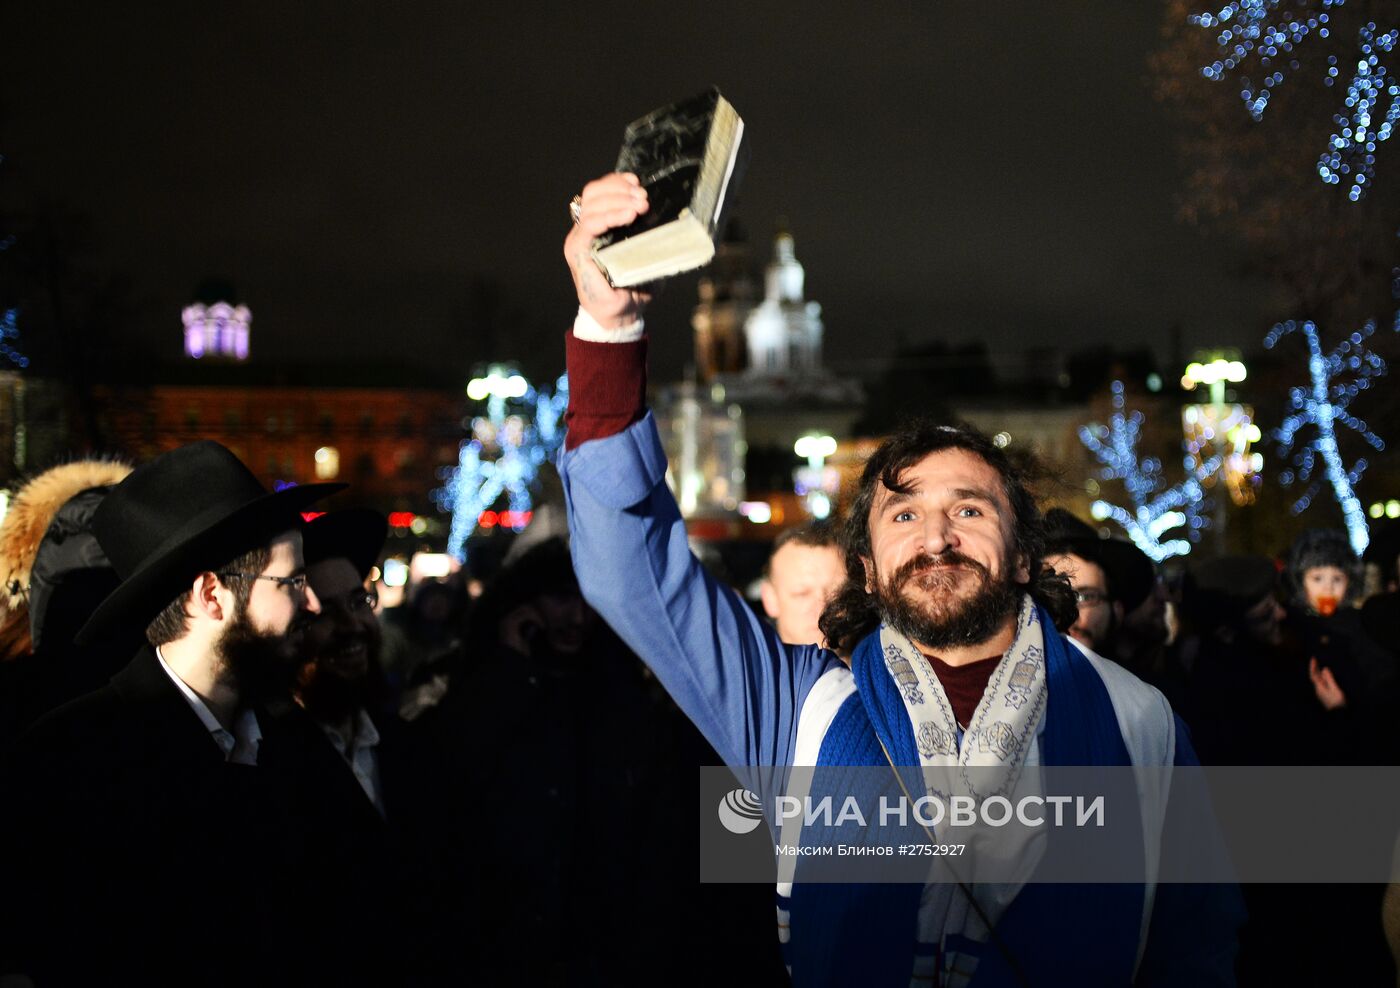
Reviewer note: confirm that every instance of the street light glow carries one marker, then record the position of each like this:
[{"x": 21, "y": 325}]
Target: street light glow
[
  {"x": 815, "y": 447},
  {"x": 1215, "y": 372}
]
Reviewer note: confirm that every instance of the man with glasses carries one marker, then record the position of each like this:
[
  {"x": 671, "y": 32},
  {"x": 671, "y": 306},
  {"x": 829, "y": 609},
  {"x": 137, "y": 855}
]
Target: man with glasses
[
  {"x": 340, "y": 679},
  {"x": 1073, "y": 550},
  {"x": 160, "y": 817},
  {"x": 392, "y": 816}
]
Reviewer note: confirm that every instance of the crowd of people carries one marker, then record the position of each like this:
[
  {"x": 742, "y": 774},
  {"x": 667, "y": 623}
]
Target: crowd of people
[{"x": 222, "y": 761}]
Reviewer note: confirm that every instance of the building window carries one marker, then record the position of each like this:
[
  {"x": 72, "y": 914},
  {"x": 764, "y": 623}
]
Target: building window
[{"x": 327, "y": 463}]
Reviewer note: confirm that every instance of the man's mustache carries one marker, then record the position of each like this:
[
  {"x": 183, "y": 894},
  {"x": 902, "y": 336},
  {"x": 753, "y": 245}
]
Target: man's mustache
[{"x": 926, "y": 563}]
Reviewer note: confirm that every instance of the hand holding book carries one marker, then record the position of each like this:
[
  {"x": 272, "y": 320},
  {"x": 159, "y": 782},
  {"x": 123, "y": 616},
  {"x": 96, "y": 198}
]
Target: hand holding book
[{"x": 606, "y": 203}]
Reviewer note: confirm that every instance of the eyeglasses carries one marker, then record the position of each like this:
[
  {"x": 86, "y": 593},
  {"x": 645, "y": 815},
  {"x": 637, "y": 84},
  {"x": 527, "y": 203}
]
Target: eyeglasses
[
  {"x": 355, "y": 602},
  {"x": 296, "y": 582},
  {"x": 1091, "y": 597}
]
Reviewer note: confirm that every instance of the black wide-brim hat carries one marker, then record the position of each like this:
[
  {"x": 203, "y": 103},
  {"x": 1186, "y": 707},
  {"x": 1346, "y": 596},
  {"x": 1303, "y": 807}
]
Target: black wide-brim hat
[
  {"x": 356, "y": 534},
  {"x": 193, "y": 509},
  {"x": 1131, "y": 574},
  {"x": 1066, "y": 533}
]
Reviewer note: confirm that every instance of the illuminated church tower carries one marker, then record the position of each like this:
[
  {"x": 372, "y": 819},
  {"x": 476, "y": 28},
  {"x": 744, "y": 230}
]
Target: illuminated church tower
[{"x": 785, "y": 332}]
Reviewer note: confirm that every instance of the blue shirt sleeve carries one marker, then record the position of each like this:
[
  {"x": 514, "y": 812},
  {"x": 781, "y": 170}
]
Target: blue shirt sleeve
[{"x": 722, "y": 664}]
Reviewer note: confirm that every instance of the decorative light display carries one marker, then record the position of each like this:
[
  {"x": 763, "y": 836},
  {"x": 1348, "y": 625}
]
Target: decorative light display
[
  {"x": 1155, "y": 509},
  {"x": 1334, "y": 379},
  {"x": 522, "y": 428},
  {"x": 1256, "y": 36},
  {"x": 1351, "y": 151},
  {"x": 1258, "y": 39},
  {"x": 9, "y": 321},
  {"x": 1221, "y": 429},
  {"x": 1226, "y": 431},
  {"x": 9, "y": 331},
  {"x": 816, "y": 483},
  {"x": 218, "y": 330}
]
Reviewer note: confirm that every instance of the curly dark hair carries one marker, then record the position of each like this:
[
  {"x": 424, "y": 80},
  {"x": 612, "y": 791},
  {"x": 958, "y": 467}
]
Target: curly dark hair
[{"x": 853, "y": 613}]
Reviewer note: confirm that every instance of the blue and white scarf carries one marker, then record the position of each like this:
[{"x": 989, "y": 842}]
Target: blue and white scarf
[{"x": 1050, "y": 709}]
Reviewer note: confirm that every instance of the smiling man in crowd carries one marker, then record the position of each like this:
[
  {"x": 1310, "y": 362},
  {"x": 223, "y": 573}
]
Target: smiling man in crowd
[{"x": 951, "y": 622}]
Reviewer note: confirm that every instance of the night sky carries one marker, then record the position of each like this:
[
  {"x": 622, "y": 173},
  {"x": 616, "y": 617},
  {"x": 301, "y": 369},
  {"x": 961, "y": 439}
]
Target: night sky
[{"x": 949, "y": 171}]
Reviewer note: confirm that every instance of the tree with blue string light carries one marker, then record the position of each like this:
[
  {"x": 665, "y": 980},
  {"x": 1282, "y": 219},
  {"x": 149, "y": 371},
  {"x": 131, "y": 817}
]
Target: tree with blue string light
[
  {"x": 521, "y": 430},
  {"x": 1335, "y": 378},
  {"x": 1283, "y": 105},
  {"x": 1163, "y": 520},
  {"x": 9, "y": 318},
  {"x": 1258, "y": 42}
]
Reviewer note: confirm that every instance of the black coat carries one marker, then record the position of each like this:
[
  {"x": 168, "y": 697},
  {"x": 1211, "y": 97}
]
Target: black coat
[{"x": 134, "y": 852}]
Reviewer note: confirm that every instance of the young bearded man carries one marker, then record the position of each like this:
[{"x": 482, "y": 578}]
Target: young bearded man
[
  {"x": 949, "y": 617},
  {"x": 146, "y": 840}
]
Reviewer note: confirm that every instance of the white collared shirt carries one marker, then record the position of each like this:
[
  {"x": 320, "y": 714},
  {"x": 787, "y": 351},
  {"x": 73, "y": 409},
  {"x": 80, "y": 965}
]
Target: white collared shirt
[
  {"x": 362, "y": 757},
  {"x": 240, "y": 747}
]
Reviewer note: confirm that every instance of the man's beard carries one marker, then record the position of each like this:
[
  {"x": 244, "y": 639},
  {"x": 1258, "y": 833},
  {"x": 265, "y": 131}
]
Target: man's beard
[
  {"x": 261, "y": 665},
  {"x": 331, "y": 693},
  {"x": 942, "y": 617}
]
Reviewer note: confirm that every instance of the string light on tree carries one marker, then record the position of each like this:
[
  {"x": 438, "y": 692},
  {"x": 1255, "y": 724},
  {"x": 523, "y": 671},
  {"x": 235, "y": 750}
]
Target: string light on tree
[
  {"x": 522, "y": 428},
  {"x": 1258, "y": 42},
  {"x": 1155, "y": 509},
  {"x": 9, "y": 331},
  {"x": 1251, "y": 39},
  {"x": 9, "y": 319},
  {"x": 1351, "y": 151},
  {"x": 1334, "y": 380}
]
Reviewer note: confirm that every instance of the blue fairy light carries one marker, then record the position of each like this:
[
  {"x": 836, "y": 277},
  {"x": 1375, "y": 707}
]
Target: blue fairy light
[
  {"x": 1322, "y": 404},
  {"x": 1256, "y": 41},
  {"x": 522, "y": 428},
  {"x": 1155, "y": 508},
  {"x": 9, "y": 331}
]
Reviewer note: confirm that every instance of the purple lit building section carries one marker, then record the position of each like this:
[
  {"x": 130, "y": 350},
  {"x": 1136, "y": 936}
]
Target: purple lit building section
[{"x": 219, "y": 330}]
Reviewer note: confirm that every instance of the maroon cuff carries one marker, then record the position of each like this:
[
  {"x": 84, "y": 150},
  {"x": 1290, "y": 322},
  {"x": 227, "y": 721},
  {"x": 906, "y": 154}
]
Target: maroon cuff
[{"x": 607, "y": 388}]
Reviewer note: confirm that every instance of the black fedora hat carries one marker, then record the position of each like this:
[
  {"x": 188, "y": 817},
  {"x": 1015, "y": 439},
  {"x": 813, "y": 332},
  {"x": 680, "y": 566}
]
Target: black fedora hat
[
  {"x": 1131, "y": 574},
  {"x": 356, "y": 534},
  {"x": 192, "y": 509},
  {"x": 1066, "y": 533}
]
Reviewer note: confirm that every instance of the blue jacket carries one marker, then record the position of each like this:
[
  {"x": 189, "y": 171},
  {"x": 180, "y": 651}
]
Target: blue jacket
[{"x": 760, "y": 702}]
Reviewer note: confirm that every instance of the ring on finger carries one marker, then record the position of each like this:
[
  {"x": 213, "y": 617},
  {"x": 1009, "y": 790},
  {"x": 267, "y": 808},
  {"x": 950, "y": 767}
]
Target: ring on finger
[{"x": 575, "y": 208}]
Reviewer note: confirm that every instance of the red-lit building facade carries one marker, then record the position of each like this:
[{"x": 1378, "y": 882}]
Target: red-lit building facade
[{"x": 389, "y": 444}]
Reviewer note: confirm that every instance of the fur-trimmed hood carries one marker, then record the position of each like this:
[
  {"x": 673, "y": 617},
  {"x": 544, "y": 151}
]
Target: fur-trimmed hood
[{"x": 32, "y": 510}]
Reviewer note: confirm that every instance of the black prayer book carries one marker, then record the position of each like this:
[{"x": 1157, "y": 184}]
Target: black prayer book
[{"x": 688, "y": 156}]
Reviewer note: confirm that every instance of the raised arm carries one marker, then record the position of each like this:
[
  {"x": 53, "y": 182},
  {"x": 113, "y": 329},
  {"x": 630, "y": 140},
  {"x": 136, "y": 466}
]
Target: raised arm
[{"x": 721, "y": 663}]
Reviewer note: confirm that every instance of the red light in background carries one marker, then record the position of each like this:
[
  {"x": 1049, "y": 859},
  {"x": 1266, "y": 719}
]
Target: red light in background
[
  {"x": 401, "y": 519},
  {"x": 489, "y": 519},
  {"x": 311, "y": 515},
  {"x": 516, "y": 519}
]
